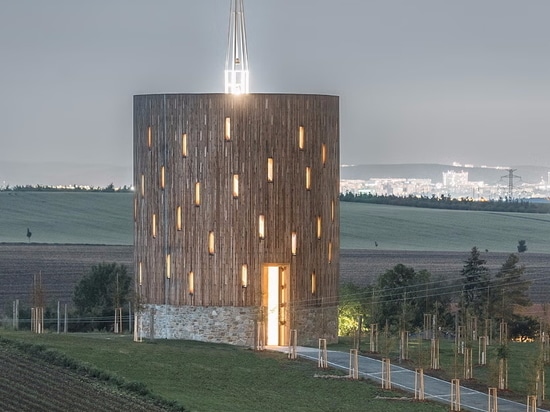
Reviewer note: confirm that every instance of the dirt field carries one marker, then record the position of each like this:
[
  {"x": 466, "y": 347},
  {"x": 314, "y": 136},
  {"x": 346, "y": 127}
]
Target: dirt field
[{"x": 62, "y": 266}]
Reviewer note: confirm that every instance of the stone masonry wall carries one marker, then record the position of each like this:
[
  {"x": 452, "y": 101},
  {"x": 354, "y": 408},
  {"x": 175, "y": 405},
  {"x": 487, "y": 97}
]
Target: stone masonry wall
[
  {"x": 313, "y": 323},
  {"x": 232, "y": 325}
]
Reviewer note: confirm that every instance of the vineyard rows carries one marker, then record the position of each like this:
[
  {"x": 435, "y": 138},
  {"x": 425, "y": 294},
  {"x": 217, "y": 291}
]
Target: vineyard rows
[{"x": 28, "y": 384}]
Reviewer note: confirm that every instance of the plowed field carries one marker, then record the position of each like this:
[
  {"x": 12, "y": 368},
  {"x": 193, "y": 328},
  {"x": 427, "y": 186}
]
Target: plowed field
[{"x": 28, "y": 384}]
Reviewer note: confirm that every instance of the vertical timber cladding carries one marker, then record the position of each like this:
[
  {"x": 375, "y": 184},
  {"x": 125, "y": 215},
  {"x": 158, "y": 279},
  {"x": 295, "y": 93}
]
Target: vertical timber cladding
[{"x": 218, "y": 232}]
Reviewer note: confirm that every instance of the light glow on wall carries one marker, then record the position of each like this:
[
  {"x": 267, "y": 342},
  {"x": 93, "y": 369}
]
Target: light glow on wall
[
  {"x": 142, "y": 185},
  {"x": 149, "y": 137},
  {"x": 329, "y": 252},
  {"x": 140, "y": 273},
  {"x": 168, "y": 266},
  {"x": 244, "y": 275},
  {"x": 227, "y": 129},
  {"x": 235, "y": 186},
  {"x": 270, "y": 169},
  {"x": 211, "y": 240},
  {"x": 313, "y": 283},
  {"x": 301, "y": 138},
  {"x": 184, "y": 144},
  {"x": 191, "y": 282},
  {"x": 308, "y": 178},
  {"x": 162, "y": 177},
  {"x": 197, "y": 194},
  {"x": 319, "y": 227},
  {"x": 294, "y": 243},
  {"x": 332, "y": 210},
  {"x": 323, "y": 154},
  {"x": 154, "y": 225},
  {"x": 179, "y": 218},
  {"x": 261, "y": 226}
]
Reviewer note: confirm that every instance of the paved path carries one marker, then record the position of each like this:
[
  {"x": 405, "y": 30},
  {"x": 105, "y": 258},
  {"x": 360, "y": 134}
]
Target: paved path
[{"x": 434, "y": 389}]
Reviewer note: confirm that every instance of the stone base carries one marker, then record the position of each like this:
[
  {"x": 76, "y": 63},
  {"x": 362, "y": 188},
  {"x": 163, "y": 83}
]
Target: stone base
[{"x": 229, "y": 324}]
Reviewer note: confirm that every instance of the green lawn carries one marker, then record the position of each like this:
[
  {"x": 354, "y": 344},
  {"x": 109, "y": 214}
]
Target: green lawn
[{"x": 213, "y": 377}]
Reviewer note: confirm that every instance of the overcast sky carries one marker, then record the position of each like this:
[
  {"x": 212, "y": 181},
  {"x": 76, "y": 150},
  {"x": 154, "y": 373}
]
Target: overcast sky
[{"x": 420, "y": 81}]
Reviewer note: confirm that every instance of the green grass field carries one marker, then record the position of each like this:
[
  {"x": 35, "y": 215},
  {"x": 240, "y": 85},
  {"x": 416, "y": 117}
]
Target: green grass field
[
  {"x": 106, "y": 218},
  {"x": 215, "y": 377}
]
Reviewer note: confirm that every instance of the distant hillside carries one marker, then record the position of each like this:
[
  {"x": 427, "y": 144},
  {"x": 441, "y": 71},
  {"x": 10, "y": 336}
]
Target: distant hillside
[{"x": 528, "y": 174}]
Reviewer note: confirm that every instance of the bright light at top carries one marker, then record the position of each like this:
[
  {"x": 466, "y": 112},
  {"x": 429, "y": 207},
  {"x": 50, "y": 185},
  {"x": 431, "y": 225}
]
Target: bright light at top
[{"x": 236, "y": 60}]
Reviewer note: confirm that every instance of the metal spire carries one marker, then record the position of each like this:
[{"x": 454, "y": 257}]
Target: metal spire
[{"x": 236, "y": 60}]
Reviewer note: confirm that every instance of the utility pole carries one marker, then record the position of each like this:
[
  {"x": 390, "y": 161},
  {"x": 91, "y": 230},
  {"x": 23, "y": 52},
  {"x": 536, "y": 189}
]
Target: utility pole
[{"x": 511, "y": 177}]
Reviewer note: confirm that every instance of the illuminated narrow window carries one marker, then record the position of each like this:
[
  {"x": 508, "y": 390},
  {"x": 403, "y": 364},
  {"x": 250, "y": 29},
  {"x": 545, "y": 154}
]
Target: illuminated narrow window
[
  {"x": 308, "y": 178},
  {"x": 332, "y": 210},
  {"x": 301, "y": 138},
  {"x": 142, "y": 185},
  {"x": 235, "y": 186},
  {"x": 323, "y": 154},
  {"x": 313, "y": 283},
  {"x": 244, "y": 275},
  {"x": 329, "y": 252},
  {"x": 168, "y": 266},
  {"x": 191, "y": 283},
  {"x": 179, "y": 220},
  {"x": 154, "y": 226},
  {"x": 140, "y": 273},
  {"x": 261, "y": 226},
  {"x": 162, "y": 177},
  {"x": 270, "y": 169},
  {"x": 184, "y": 144},
  {"x": 294, "y": 243},
  {"x": 197, "y": 194},
  {"x": 149, "y": 137},
  {"x": 211, "y": 239},
  {"x": 227, "y": 129},
  {"x": 319, "y": 227}
]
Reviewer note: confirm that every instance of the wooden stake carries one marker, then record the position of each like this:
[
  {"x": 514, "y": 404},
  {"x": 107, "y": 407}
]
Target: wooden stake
[
  {"x": 492, "y": 400},
  {"x": 374, "y": 337},
  {"x": 531, "y": 403},
  {"x": 322, "y": 360},
  {"x": 419, "y": 384},
  {"x": 434, "y": 354},
  {"x": 503, "y": 374},
  {"x": 455, "y": 395},
  {"x": 468, "y": 371},
  {"x": 353, "y": 364},
  {"x": 386, "y": 373},
  {"x": 260, "y": 336},
  {"x": 292, "y": 354},
  {"x": 482, "y": 358}
]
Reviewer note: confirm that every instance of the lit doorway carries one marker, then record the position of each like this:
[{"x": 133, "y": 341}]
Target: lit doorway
[{"x": 275, "y": 302}]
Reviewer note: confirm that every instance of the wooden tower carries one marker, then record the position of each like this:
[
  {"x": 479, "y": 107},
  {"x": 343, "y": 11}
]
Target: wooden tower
[{"x": 236, "y": 211}]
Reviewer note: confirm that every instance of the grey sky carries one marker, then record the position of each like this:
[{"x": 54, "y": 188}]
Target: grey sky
[{"x": 420, "y": 80}]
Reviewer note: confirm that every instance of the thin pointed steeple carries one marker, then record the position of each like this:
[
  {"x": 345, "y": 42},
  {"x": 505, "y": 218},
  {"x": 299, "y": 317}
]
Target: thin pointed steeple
[{"x": 236, "y": 60}]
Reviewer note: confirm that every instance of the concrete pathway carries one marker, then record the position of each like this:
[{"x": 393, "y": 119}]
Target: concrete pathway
[{"x": 401, "y": 378}]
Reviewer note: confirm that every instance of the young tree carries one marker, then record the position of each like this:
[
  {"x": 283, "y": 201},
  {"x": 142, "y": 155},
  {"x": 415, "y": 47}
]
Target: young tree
[
  {"x": 522, "y": 246},
  {"x": 475, "y": 285},
  {"x": 509, "y": 289},
  {"x": 404, "y": 295},
  {"x": 105, "y": 287}
]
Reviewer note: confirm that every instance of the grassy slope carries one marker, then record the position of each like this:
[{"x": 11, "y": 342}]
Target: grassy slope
[
  {"x": 407, "y": 228},
  {"x": 106, "y": 218},
  {"x": 210, "y": 377},
  {"x": 60, "y": 217}
]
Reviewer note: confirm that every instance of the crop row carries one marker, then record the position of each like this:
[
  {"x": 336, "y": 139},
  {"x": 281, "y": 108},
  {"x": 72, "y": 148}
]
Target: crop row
[{"x": 29, "y": 384}]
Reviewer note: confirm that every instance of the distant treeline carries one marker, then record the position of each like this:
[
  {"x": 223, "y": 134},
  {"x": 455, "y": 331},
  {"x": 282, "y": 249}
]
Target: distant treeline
[
  {"x": 74, "y": 188},
  {"x": 446, "y": 202}
]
